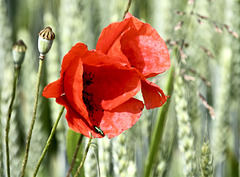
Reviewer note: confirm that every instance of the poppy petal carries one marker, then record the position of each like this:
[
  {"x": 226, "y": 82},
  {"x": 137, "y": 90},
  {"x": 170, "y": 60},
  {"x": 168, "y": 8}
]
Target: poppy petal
[
  {"x": 97, "y": 58},
  {"x": 53, "y": 90},
  {"x": 145, "y": 49},
  {"x": 73, "y": 86},
  {"x": 116, "y": 52},
  {"x": 128, "y": 15},
  {"x": 110, "y": 34},
  {"x": 152, "y": 94},
  {"x": 137, "y": 44},
  {"x": 113, "y": 86},
  {"x": 75, "y": 121},
  {"x": 121, "y": 118},
  {"x": 80, "y": 50}
]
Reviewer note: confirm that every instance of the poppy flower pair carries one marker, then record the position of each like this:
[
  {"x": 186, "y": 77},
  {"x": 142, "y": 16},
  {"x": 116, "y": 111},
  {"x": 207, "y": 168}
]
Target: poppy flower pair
[{"x": 97, "y": 87}]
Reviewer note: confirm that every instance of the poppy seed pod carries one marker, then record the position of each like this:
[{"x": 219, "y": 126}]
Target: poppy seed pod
[
  {"x": 45, "y": 40},
  {"x": 18, "y": 51}
]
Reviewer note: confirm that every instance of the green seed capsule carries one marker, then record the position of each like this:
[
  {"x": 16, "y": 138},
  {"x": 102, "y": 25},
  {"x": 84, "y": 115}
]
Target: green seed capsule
[
  {"x": 45, "y": 41},
  {"x": 18, "y": 51}
]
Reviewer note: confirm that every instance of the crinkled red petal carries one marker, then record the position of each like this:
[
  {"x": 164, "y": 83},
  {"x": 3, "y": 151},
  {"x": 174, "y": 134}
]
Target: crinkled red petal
[
  {"x": 97, "y": 58},
  {"x": 110, "y": 34},
  {"x": 137, "y": 44},
  {"x": 78, "y": 51},
  {"x": 152, "y": 94},
  {"x": 145, "y": 50},
  {"x": 53, "y": 90},
  {"x": 121, "y": 118},
  {"x": 128, "y": 15}
]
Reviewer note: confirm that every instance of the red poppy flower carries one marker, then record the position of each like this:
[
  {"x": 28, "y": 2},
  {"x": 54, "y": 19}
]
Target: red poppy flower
[
  {"x": 138, "y": 45},
  {"x": 97, "y": 87},
  {"x": 97, "y": 91}
]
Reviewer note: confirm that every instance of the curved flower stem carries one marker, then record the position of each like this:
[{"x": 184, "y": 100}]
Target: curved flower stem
[
  {"x": 33, "y": 118},
  {"x": 48, "y": 142},
  {"x": 16, "y": 73},
  {"x": 159, "y": 127},
  {"x": 84, "y": 158},
  {"x": 75, "y": 155},
  {"x": 127, "y": 9}
]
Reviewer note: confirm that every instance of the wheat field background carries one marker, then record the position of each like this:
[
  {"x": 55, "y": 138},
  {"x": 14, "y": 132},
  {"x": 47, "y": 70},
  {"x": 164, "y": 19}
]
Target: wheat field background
[{"x": 197, "y": 133}]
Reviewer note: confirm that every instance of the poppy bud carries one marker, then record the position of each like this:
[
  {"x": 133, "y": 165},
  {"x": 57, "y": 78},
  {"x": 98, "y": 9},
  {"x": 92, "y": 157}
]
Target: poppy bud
[
  {"x": 18, "y": 52},
  {"x": 45, "y": 40}
]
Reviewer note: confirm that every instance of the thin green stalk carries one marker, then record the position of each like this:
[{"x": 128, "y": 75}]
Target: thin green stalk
[
  {"x": 75, "y": 155},
  {"x": 84, "y": 158},
  {"x": 159, "y": 128},
  {"x": 127, "y": 9},
  {"x": 33, "y": 118},
  {"x": 16, "y": 73},
  {"x": 48, "y": 142}
]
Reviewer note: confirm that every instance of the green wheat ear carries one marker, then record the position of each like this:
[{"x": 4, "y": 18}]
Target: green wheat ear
[
  {"x": 185, "y": 136},
  {"x": 221, "y": 123},
  {"x": 206, "y": 160},
  {"x": 105, "y": 156},
  {"x": 123, "y": 165}
]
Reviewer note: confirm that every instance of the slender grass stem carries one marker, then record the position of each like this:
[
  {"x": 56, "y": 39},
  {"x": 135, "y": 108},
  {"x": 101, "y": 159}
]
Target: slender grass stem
[
  {"x": 159, "y": 127},
  {"x": 33, "y": 118},
  {"x": 75, "y": 155},
  {"x": 127, "y": 9},
  {"x": 48, "y": 142},
  {"x": 84, "y": 158},
  {"x": 16, "y": 73}
]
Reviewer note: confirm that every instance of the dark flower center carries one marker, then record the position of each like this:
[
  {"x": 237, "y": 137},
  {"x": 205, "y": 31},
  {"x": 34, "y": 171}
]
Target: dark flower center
[
  {"x": 94, "y": 109},
  {"x": 87, "y": 79},
  {"x": 88, "y": 97}
]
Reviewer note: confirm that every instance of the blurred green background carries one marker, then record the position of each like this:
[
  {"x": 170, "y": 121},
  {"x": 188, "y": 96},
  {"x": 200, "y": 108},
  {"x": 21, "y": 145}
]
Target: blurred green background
[{"x": 200, "y": 130}]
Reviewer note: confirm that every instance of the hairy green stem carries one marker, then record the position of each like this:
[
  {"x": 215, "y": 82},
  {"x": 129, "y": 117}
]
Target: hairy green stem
[
  {"x": 48, "y": 142},
  {"x": 159, "y": 127},
  {"x": 75, "y": 155},
  {"x": 84, "y": 158},
  {"x": 33, "y": 118},
  {"x": 16, "y": 73}
]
